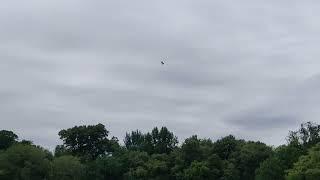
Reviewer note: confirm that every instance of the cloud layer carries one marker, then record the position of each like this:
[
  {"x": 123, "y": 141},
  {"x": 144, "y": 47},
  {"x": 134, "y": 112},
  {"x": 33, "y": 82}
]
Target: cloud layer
[{"x": 245, "y": 68}]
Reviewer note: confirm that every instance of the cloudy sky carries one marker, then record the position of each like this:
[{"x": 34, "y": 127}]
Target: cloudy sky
[{"x": 249, "y": 68}]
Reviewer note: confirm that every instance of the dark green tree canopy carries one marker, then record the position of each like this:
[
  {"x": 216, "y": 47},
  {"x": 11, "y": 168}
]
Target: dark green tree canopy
[
  {"x": 88, "y": 154},
  {"x": 197, "y": 171},
  {"x": 249, "y": 157},
  {"x": 191, "y": 150},
  {"x": 308, "y": 166},
  {"x": 66, "y": 168},
  {"x": 158, "y": 142},
  {"x": 24, "y": 162},
  {"x": 164, "y": 141},
  {"x": 307, "y": 136},
  {"x": 7, "y": 138},
  {"x": 225, "y": 146},
  {"x": 271, "y": 168},
  {"x": 86, "y": 141},
  {"x": 135, "y": 141}
]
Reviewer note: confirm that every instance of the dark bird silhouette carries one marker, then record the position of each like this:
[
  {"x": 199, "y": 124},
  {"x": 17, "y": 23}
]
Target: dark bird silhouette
[{"x": 162, "y": 62}]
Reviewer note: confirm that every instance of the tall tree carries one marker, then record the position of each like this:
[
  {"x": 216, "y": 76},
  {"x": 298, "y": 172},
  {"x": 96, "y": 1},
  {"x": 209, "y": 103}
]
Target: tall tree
[
  {"x": 134, "y": 141},
  {"x": 106, "y": 167},
  {"x": 156, "y": 142},
  {"x": 308, "y": 166},
  {"x": 307, "y": 136},
  {"x": 87, "y": 142},
  {"x": 197, "y": 171},
  {"x": 190, "y": 150},
  {"x": 24, "y": 162},
  {"x": 66, "y": 168},
  {"x": 250, "y": 157},
  {"x": 164, "y": 141},
  {"x": 158, "y": 167},
  {"x": 230, "y": 171},
  {"x": 195, "y": 149},
  {"x": 271, "y": 168},
  {"x": 134, "y": 162},
  {"x": 7, "y": 138},
  {"x": 225, "y": 146}
]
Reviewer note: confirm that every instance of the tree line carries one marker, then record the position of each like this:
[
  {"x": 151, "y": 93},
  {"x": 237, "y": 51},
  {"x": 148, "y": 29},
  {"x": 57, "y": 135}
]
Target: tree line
[{"x": 88, "y": 152}]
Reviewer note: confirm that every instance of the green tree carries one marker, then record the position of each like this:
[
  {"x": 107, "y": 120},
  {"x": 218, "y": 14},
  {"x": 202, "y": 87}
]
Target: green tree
[
  {"x": 164, "y": 141},
  {"x": 7, "y": 138},
  {"x": 177, "y": 161},
  {"x": 308, "y": 166},
  {"x": 61, "y": 150},
  {"x": 250, "y": 157},
  {"x": 190, "y": 150},
  {"x": 271, "y": 168},
  {"x": 134, "y": 164},
  {"x": 230, "y": 171},
  {"x": 156, "y": 142},
  {"x": 135, "y": 141},
  {"x": 106, "y": 167},
  {"x": 288, "y": 155},
  {"x": 158, "y": 167},
  {"x": 215, "y": 164},
  {"x": 24, "y": 162},
  {"x": 197, "y": 171},
  {"x": 283, "y": 158},
  {"x": 195, "y": 150},
  {"x": 138, "y": 173},
  {"x": 307, "y": 136},
  {"x": 225, "y": 146},
  {"x": 66, "y": 168},
  {"x": 87, "y": 142},
  {"x": 26, "y": 142}
]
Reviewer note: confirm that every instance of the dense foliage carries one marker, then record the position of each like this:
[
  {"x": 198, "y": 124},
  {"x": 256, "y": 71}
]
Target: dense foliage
[{"x": 87, "y": 152}]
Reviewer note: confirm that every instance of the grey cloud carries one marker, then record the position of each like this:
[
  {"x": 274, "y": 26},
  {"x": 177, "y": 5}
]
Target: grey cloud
[{"x": 246, "y": 68}]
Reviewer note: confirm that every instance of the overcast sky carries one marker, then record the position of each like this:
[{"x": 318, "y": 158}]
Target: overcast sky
[{"x": 248, "y": 68}]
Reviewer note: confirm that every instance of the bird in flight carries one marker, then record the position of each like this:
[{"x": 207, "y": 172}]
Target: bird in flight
[{"x": 162, "y": 62}]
